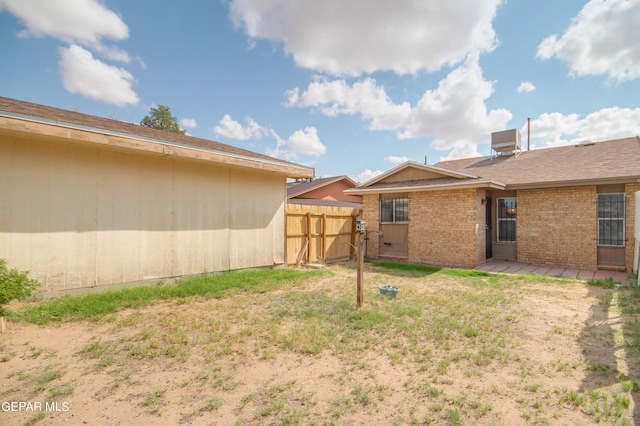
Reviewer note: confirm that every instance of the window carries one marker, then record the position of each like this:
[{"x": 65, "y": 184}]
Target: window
[
  {"x": 611, "y": 219},
  {"x": 394, "y": 210},
  {"x": 507, "y": 220}
]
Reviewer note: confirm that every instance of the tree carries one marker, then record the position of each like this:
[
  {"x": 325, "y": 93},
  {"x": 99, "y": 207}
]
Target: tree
[{"x": 160, "y": 118}]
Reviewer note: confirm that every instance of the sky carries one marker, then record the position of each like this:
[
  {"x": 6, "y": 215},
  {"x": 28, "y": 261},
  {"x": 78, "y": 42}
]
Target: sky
[{"x": 346, "y": 87}]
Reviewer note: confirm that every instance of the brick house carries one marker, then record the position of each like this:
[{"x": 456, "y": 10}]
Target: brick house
[{"x": 566, "y": 206}]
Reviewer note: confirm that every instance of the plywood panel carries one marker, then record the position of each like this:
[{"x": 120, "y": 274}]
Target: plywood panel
[
  {"x": 119, "y": 220},
  {"x": 154, "y": 186},
  {"x": 394, "y": 241},
  {"x": 6, "y": 196},
  {"x": 28, "y": 207},
  {"x": 200, "y": 203},
  {"x": 256, "y": 219}
]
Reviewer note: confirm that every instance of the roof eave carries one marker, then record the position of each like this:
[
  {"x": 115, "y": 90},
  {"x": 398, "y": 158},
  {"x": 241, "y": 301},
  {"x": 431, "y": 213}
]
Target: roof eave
[
  {"x": 580, "y": 182},
  {"x": 422, "y": 188},
  {"x": 21, "y": 124}
]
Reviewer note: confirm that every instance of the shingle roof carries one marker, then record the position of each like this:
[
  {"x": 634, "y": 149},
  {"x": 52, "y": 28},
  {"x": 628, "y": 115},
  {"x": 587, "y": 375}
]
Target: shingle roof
[
  {"x": 615, "y": 160},
  {"x": 64, "y": 117},
  {"x": 330, "y": 203},
  {"x": 295, "y": 189},
  {"x": 608, "y": 162}
]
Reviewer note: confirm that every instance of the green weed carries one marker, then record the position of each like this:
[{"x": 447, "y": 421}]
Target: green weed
[{"x": 98, "y": 305}]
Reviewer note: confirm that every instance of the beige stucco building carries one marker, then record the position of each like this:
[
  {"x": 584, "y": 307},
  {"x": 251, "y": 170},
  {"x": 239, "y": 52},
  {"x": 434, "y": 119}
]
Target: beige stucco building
[{"x": 87, "y": 201}]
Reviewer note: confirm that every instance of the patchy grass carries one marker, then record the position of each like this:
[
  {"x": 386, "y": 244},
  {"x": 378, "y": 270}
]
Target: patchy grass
[
  {"x": 98, "y": 305},
  {"x": 604, "y": 283},
  {"x": 453, "y": 348},
  {"x": 414, "y": 268}
]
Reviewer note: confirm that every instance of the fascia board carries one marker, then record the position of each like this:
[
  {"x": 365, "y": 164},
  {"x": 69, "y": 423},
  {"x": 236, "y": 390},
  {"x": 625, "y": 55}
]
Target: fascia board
[
  {"x": 442, "y": 187},
  {"x": 114, "y": 138}
]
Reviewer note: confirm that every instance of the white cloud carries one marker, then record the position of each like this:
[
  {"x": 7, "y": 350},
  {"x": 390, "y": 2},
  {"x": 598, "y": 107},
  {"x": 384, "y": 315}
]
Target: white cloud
[
  {"x": 454, "y": 114},
  {"x": 556, "y": 129},
  {"x": 81, "y": 22},
  {"x": 141, "y": 63},
  {"x": 601, "y": 39},
  {"x": 526, "y": 87},
  {"x": 360, "y": 36},
  {"x": 188, "y": 123},
  {"x": 232, "y": 129},
  {"x": 396, "y": 160},
  {"x": 363, "y": 97},
  {"x": 82, "y": 74},
  {"x": 366, "y": 175},
  {"x": 301, "y": 142}
]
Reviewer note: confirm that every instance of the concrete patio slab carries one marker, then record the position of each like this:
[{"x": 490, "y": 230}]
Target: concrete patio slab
[
  {"x": 529, "y": 268},
  {"x": 570, "y": 273},
  {"x": 503, "y": 266},
  {"x": 543, "y": 270},
  {"x": 513, "y": 269},
  {"x": 586, "y": 274},
  {"x": 556, "y": 272}
]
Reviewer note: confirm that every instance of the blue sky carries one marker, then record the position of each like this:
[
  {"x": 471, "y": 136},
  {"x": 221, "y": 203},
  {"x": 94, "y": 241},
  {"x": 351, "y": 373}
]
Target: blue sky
[{"x": 345, "y": 87}]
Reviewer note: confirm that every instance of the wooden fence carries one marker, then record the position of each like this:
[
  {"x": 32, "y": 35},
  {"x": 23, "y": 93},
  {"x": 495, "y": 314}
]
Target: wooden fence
[{"x": 318, "y": 234}]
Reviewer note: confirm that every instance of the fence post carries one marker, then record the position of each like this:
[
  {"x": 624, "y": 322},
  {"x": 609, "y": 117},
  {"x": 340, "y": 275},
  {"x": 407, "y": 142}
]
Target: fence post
[
  {"x": 360, "y": 270},
  {"x": 309, "y": 237},
  {"x": 324, "y": 237},
  {"x": 352, "y": 251}
]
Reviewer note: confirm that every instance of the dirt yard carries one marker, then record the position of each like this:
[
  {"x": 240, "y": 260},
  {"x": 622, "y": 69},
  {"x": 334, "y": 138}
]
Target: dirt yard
[{"x": 533, "y": 352}]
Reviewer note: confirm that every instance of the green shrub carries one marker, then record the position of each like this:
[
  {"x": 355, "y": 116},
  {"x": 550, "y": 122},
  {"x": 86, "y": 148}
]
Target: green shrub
[{"x": 14, "y": 285}]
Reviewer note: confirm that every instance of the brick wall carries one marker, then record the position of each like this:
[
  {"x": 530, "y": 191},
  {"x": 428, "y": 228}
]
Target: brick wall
[
  {"x": 630, "y": 214},
  {"x": 447, "y": 228},
  {"x": 557, "y": 226},
  {"x": 371, "y": 215}
]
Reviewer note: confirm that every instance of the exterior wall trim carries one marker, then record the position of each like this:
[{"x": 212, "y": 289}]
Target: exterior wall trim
[
  {"x": 12, "y": 122},
  {"x": 443, "y": 187}
]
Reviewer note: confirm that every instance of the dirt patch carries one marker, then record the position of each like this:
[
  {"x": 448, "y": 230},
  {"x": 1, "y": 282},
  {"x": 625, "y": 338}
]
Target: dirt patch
[{"x": 535, "y": 357}]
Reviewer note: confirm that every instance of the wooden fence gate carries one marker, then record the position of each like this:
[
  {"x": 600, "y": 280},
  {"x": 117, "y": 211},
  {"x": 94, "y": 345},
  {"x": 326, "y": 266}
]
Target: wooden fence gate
[{"x": 317, "y": 234}]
